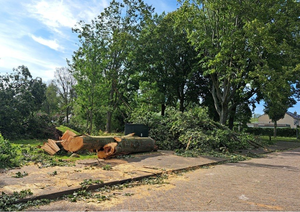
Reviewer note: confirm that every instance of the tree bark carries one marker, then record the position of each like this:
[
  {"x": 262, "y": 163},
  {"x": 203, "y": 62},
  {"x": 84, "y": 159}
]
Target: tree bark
[
  {"x": 108, "y": 121},
  {"x": 231, "y": 117},
  {"x": 275, "y": 129},
  {"x": 128, "y": 145},
  {"x": 74, "y": 144},
  {"x": 163, "y": 108},
  {"x": 223, "y": 114}
]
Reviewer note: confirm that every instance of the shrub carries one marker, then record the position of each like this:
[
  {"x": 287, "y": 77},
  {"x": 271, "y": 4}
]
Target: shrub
[
  {"x": 283, "y": 132},
  {"x": 8, "y": 154}
]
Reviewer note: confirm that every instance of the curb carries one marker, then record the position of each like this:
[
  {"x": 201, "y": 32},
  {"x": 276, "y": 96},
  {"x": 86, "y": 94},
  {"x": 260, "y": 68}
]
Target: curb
[{"x": 58, "y": 194}]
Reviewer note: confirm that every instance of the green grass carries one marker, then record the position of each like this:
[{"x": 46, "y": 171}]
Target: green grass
[
  {"x": 29, "y": 152},
  {"x": 273, "y": 139},
  {"x": 31, "y": 142}
]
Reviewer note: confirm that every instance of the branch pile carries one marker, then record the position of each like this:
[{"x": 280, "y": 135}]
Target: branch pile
[{"x": 105, "y": 146}]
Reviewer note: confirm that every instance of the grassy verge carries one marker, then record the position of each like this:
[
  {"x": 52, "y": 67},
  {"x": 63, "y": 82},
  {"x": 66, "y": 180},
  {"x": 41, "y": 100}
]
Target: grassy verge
[
  {"x": 266, "y": 139},
  {"x": 28, "y": 152}
]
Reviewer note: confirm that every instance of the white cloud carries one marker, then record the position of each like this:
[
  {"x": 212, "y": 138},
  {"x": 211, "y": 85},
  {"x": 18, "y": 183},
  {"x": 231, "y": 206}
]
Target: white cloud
[
  {"x": 57, "y": 14},
  {"x": 50, "y": 43},
  {"x": 54, "y": 14},
  {"x": 14, "y": 53}
]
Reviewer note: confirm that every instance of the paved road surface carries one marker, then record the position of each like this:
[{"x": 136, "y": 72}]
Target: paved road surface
[{"x": 271, "y": 183}]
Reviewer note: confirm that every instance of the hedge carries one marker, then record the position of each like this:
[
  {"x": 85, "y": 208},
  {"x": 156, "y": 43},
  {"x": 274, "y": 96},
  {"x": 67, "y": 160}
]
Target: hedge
[{"x": 283, "y": 132}]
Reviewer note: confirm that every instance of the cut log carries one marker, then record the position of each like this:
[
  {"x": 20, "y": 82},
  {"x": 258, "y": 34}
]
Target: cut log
[
  {"x": 50, "y": 147},
  {"x": 53, "y": 145},
  {"x": 128, "y": 145},
  {"x": 74, "y": 144},
  {"x": 67, "y": 134},
  {"x": 105, "y": 146}
]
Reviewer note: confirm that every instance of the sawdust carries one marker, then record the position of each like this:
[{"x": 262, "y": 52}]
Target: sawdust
[{"x": 134, "y": 194}]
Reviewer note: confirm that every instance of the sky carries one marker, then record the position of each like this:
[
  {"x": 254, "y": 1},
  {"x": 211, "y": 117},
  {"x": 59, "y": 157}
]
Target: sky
[{"x": 38, "y": 33}]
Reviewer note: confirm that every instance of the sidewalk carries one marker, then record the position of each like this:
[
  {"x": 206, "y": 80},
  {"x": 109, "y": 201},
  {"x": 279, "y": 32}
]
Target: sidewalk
[{"x": 43, "y": 183}]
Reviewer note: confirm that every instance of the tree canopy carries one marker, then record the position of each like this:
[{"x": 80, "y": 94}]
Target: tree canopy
[
  {"x": 241, "y": 43},
  {"x": 21, "y": 97}
]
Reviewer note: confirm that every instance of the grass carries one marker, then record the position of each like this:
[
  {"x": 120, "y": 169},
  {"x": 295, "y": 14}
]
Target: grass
[
  {"x": 273, "y": 139},
  {"x": 29, "y": 152},
  {"x": 31, "y": 142}
]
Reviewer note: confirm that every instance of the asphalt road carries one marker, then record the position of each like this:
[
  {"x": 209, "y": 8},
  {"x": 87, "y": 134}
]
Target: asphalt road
[{"x": 271, "y": 183}]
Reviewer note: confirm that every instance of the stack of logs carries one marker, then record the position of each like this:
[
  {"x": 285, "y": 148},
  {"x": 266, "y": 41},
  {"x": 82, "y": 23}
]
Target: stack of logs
[{"x": 105, "y": 146}]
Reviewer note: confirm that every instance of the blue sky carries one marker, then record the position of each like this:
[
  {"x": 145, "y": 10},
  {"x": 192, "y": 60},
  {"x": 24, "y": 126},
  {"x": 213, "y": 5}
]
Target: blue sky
[{"x": 37, "y": 33}]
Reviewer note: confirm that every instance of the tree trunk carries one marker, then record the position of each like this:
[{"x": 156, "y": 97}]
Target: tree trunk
[
  {"x": 275, "y": 129},
  {"x": 231, "y": 117},
  {"x": 74, "y": 144},
  {"x": 67, "y": 114},
  {"x": 128, "y": 145},
  {"x": 163, "y": 109},
  {"x": 91, "y": 121},
  {"x": 223, "y": 114},
  {"x": 181, "y": 107}
]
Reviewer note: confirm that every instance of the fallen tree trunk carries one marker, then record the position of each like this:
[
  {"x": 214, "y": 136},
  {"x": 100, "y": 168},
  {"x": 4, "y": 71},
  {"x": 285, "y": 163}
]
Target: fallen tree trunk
[
  {"x": 74, "y": 144},
  {"x": 105, "y": 146},
  {"x": 128, "y": 145}
]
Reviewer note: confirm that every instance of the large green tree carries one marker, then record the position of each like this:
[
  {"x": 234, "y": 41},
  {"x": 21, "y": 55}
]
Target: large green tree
[
  {"x": 50, "y": 105},
  {"x": 241, "y": 43},
  {"x": 169, "y": 75},
  {"x": 21, "y": 97},
  {"x": 278, "y": 97},
  {"x": 100, "y": 65}
]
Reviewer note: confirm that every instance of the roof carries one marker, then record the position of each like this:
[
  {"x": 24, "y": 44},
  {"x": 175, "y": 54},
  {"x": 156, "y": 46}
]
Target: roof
[{"x": 293, "y": 115}]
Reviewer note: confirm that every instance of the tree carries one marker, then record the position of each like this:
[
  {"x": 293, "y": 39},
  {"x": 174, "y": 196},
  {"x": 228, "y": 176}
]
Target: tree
[
  {"x": 50, "y": 105},
  {"x": 240, "y": 44},
  {"x": 21, "y": 97},
  {"x": 65, "y": 83},
  {"x": 167, "y": 64},
  {"x": 278, "y": 99},
  {"x": 100, "y": 65}
]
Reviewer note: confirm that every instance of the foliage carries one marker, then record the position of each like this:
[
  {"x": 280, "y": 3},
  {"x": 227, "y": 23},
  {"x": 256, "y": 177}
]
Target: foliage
[
  {"x": 20, "y": 174},
  {"x": 168, "y": 73},
  {"x": 106, "y": 192},
  {"x": 107, "y": 167},
  {"x": 8, "y": 154},
  {"x": 40, "y": 126},
  {"x": 278, "y": 99},
  {"x": 100, "y": 63},
  {"x": 177, "y": 130},
  {"x": 230, "y": 157},
  {"x": 21, "y": 97},
  {"x": 16, "y": 155},
  {"x": 9, "y": 202},
  {"x": 241, "y": 48},
  {"x": 50, "y": 105}
]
